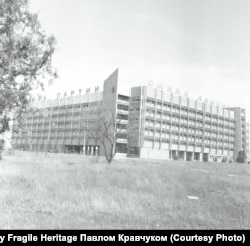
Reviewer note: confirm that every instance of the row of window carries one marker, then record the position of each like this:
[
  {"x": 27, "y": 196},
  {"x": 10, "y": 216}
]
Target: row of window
[
  {"x": 192, "y": 140},
  {"x": 165, "y": 125},
  {"x": 158, "y": 115},
  {"x": 69, "y": 108},
  {"x": 166, "y": 105},
  {"x": 187, "y": 122},
  {"x": 167, "y": 134},
  {"x": 69, "y": 117},
  {"x": 185, "y": 137},
  {"x": 175, "y": 110}
]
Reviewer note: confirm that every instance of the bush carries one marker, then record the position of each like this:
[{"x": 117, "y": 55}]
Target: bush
[{"x": 241, "y": 157}]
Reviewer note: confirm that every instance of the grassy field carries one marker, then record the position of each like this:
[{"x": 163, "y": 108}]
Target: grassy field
[{"x": 72, "y": 192}]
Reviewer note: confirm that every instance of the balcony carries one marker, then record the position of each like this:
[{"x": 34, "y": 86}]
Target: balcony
[
  {"x": 120, "y": 111},
  {"x": 119, "y": 130},
  {"x": 122, "y": 102},
  {"x": 121, "y": 140},
  {"x": 122, "y": 121}
]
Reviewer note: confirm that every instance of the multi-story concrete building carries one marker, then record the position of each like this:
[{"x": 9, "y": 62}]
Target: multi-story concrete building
[
  {"x": 151, "y": 123},
  {"x": 64, "y": 124},
  {"x": 169, "y": 126},
  {"x": 241, "y": 133}
]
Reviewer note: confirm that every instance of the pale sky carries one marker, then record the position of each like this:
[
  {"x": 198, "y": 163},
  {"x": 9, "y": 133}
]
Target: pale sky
[{"x": 199, "y": 46}]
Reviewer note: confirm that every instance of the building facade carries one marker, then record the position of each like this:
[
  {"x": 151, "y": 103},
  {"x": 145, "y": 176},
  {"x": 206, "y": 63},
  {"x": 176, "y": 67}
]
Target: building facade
[
  {"x": 64, "y": 124},
  {"x": 150, "y": 123},
  {"x": 241, "y": 133},
  {"x": 169, "y": 126}
]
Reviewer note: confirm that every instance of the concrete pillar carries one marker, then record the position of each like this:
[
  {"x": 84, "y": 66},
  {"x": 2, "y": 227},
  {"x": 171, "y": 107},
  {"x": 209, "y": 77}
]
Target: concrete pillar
[
  {"x": 92, "y": 150},
  {"x": 201, "y": 156},
  {"x": 192, "y": 156},
  {"x": 185, "y": 156},
  {"x": 177, "y": 155}
]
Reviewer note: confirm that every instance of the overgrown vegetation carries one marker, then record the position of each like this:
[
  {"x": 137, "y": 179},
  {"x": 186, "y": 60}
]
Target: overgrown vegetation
[{"x": 71, "y": 192}]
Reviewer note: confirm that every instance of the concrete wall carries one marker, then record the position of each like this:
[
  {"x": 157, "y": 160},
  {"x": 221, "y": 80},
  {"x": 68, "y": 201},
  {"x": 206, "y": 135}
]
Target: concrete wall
[
  {"x": 110, "y": 91},
  {"x": 84, "y": 98},
  {"x": 154, "y": 153},
  {"x": 238, "y": 134},
  {"x": 109, "y": 103}
]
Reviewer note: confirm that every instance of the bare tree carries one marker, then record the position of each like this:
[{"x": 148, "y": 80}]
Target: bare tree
[
  {"x": 25, "y": 59},
  {"x": 104, "y": 130}
]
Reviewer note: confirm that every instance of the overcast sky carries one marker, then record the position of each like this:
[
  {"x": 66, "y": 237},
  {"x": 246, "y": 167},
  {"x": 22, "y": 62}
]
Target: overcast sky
[{"x": 199, "y": 46}]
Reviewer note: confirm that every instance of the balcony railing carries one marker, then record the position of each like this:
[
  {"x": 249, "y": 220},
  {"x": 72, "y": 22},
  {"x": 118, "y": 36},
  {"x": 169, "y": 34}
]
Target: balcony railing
[{"x": 121, "y": 140}]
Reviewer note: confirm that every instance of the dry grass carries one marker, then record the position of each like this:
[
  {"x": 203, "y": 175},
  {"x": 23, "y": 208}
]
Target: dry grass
[{"x": 73, "y": 192}]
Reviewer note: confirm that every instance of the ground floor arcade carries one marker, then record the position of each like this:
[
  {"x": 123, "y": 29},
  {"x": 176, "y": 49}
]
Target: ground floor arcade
[
  {"x": 198, "y": 156},
  {"x": 150, "y": 153},
  {"x": 90, "y": 149}
]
